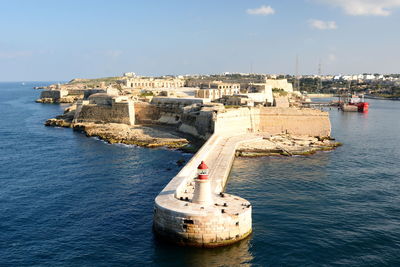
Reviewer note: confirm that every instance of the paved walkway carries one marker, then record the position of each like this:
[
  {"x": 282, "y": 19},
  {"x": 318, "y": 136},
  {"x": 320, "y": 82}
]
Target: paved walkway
[{"x": 218, "y": 153}]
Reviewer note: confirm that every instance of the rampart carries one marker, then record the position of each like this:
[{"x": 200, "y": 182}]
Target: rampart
[
  {"x": 271, "y": 120},
  {"x": 146, "y": 113},
  {"x": 54, "y": 94},
  {"x": 102, "y": 108},
  {"x": 294, "y": 121}
]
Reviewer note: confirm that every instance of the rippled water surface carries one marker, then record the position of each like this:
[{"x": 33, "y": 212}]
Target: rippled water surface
[{"x": 66, "y": 199}]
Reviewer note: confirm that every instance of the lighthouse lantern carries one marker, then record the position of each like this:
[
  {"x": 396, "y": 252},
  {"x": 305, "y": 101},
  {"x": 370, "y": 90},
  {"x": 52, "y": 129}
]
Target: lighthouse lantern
[{"x": 202, "y": 171}]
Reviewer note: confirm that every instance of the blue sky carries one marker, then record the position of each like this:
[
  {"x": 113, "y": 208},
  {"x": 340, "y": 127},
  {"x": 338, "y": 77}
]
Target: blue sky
[{"x": 61, "y": 40}]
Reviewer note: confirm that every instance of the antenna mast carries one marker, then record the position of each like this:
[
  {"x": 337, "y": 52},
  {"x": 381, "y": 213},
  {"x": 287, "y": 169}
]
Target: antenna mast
[
  {"x": 297, "y": 82},
  {"x": 319, "y": 86}
]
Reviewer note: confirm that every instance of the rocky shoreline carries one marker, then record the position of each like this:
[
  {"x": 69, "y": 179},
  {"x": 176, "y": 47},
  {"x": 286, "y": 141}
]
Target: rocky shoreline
[
  {"x": 67, "y": 99},
  {"x": 144, "y": 136},
  {"x": 286, "y": 145},
  {"x": 131, "y": 135}
]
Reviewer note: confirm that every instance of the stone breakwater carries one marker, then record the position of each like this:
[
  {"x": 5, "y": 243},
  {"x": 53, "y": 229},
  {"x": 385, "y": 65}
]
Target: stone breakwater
[{"x": 226, "y": 220}]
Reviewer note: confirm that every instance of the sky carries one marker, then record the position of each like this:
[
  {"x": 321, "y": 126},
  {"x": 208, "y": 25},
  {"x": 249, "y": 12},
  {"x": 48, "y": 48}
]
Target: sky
[{"x": 61, "y": 40}]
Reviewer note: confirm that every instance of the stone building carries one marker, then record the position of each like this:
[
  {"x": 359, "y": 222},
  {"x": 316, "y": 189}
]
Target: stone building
[
  {"x": 150, "y": 82},
  {"x": 217, "y": 89}
]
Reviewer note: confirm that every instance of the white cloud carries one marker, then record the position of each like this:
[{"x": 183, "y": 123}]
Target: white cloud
[
  {"x": 322, "y": 25},
  {"x": 263, "y": 10},
  {"x": 364, "y": 7}
]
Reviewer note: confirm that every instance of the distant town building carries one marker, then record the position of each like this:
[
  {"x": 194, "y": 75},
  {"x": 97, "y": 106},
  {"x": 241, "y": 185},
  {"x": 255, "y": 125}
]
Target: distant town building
[
  {"x": 145, "y": 82},
  {"x": 129, "y": 74}
]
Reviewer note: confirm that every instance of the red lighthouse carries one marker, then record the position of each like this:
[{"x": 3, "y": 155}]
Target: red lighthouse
[
  {"x": 202, "y": 189},
  {"x": 202, "y": 171}
]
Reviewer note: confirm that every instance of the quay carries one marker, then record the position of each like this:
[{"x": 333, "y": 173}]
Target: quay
[
  {"x": 227, "y": 219},
  {"x": 321, "y": 104}
]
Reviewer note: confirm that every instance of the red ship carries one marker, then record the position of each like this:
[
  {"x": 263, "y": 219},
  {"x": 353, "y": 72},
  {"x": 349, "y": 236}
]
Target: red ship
[{"x": 354, "y": 103}]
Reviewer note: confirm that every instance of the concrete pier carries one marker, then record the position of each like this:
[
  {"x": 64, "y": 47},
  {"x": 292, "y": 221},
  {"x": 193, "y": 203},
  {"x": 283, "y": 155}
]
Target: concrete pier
[{"x": 226, "y": 220}]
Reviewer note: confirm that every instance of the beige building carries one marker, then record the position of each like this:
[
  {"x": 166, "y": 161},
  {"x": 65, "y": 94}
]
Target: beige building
[
  {"x": 147, "y": 83},
  {"x": 223, "y": 85},
  {"x": 218, "y": 89},
  {"x": 279, "y": 84}
]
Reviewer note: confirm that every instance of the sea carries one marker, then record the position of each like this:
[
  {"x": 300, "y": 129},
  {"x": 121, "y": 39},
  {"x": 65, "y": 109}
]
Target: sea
[{"x": 70, "y": 200}]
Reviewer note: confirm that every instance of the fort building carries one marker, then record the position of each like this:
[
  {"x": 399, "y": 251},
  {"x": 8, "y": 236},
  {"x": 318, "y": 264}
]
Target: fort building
[
  {"x": 105, "y": 108},
  {"x": 217, "y": 90},
  {"x": 150, "y": 82}
]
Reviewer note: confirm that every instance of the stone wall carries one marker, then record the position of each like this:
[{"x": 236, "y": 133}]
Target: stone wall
[
  {"x": 271, "y": 120},
  {"x": 294, "y": 121},
  {"x": 76, "y": 92},
  {"x": 240, "y": 120},
  {"x": 274, "y": 120},
  {"x": 117, "y": 113},
  {"x": 54, "y": 94},
  {"x": 199, "y": 124},
  {"x": 146, "y": 113},
  {"x": 202, "y": 229},
  {"x": 281, "y": 102}
]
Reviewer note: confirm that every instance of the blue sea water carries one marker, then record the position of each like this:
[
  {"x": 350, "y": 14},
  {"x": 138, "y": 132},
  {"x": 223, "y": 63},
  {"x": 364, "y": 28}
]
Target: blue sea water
[{"x": 70, "y": 200}]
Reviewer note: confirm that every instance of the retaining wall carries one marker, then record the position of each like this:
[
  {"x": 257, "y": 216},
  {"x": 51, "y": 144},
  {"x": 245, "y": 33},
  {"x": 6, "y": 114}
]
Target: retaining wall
[{"x": 115, "y": 113}]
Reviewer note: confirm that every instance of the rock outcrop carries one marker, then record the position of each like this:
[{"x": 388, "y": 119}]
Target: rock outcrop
[
  {"x": 132, "y": 135},
  {"x": 286, "y": 145}
]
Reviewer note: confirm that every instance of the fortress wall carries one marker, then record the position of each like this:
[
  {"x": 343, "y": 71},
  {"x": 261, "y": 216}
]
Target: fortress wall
[
  {"x": 79, "y": 92},
  {"x": 271, "y": 120},
  {"x": 241, "y": 120},
  {"x": 200, "y": 125},
  {"x": 117, "y": 113},
  {"x": 54, "y": 94},
  {"x": 274, "y": 120},
  {"x": 145, "y": 112},
  {"x": 295, "y": 121}
]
